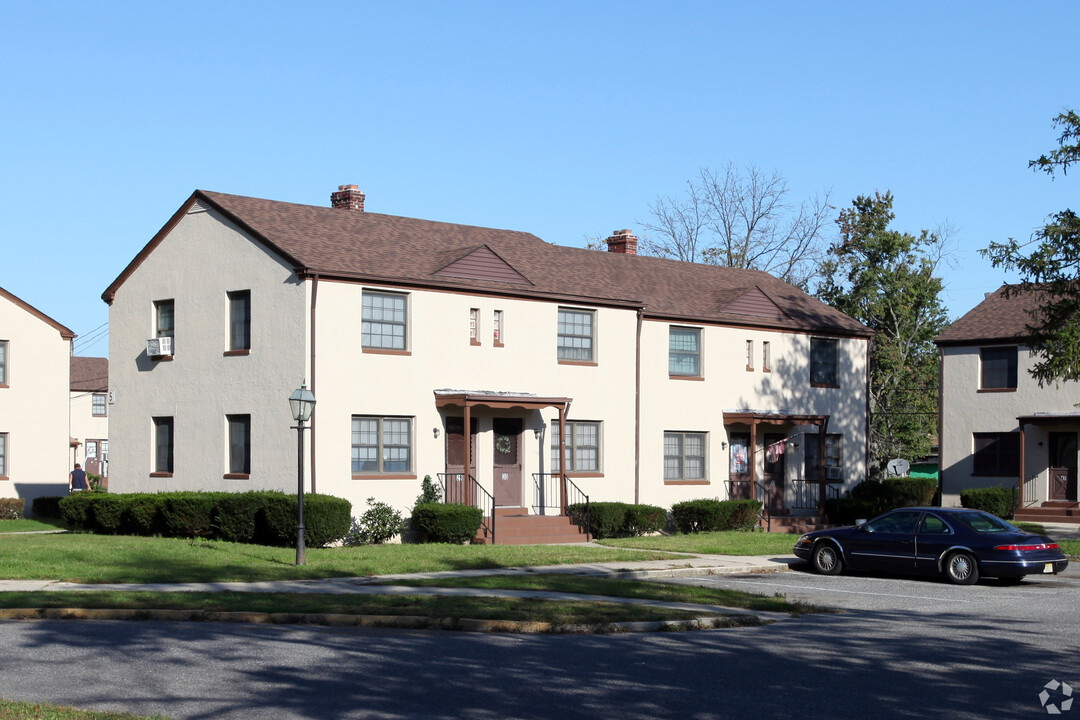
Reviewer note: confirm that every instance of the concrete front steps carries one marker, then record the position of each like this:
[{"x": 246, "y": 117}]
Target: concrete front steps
[
  {"x": 516, "y": 526},
  {"x": 1055, "y": 511}
]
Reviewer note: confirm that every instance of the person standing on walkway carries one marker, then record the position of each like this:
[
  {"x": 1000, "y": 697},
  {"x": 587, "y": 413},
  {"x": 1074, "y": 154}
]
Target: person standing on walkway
[{"x": 77, "y": 480}]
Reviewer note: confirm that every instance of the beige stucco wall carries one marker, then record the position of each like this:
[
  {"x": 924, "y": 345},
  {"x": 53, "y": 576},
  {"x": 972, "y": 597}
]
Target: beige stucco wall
[
  {"x": 196, "y": 264},
  {"x": 965, "y": 411},
  {"x": 34, "y": 406},
  {"x": 699, "y": 406}
]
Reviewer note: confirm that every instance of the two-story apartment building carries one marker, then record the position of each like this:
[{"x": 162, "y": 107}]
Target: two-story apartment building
[
  {"x": 89, "y": 403},
  {"x": 35, "y": 353},
  {"x": 998, "y": 426},
  {"x": 646, "y": 379}
]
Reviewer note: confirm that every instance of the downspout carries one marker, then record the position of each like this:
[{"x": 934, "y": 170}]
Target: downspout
[
  {"x": 637, "y": 409},
  {"x": 314, "y": 297}
]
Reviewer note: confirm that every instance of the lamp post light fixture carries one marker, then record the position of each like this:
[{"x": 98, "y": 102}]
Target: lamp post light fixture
[{"x": 302, "y": 403}]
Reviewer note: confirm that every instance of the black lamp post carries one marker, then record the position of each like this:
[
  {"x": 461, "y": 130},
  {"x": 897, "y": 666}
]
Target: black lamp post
[{"x": 302, "y": 403}]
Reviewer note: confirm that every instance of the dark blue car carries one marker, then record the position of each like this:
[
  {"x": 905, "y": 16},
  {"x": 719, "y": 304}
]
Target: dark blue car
[{"x": 958, "y": 543}]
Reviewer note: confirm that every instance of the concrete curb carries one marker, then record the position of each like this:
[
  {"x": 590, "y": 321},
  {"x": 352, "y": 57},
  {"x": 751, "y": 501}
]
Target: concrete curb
[{"x": 406, "y": 622}]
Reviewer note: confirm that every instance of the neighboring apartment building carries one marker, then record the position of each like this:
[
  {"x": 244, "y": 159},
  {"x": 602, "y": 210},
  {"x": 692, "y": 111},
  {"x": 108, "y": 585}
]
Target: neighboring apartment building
[
  {"x": 35, "y": 352},
  {"x": 671, "y": 380},
  {"x": 90, "y": 414},
  {"x": 998, "y": 427}
]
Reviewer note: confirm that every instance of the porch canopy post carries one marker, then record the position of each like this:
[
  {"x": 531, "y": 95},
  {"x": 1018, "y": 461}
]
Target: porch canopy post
[
  {"x": 1023, "y": 448},
  {"x": 562, "y": 457},
  {"x": 468, "y": 454}
]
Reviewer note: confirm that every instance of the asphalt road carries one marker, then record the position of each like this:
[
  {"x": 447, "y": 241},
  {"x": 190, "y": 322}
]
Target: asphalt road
[{"x": 900, "y": 648}]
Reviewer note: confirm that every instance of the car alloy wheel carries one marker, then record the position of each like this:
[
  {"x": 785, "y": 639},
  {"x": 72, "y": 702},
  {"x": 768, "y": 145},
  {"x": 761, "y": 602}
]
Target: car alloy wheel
[
  {"x": 961, "y": 569},
  {"x": 826, "y": 559}
]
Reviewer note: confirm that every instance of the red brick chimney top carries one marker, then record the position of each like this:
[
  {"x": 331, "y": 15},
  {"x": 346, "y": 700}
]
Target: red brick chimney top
[
  {"x": 347, "y": 197},
  {"x": 622, "y": 241}
]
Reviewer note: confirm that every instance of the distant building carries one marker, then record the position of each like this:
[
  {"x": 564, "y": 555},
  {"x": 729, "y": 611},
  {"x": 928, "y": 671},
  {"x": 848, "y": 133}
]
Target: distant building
[{"x": 90, "y": 414}]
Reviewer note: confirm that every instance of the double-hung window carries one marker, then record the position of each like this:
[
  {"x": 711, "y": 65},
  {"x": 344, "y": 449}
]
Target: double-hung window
[
  {"x": 3, "y": 363},
  {"x": 684, "y": 352},
  {"x": 384, "y": 321},
  {"x": 684, "y": 456},
  {"x": 823, "y": 362},
  {"x": 163, "y": 445},
  {"x": 834, "y": 456},
  {"x": 997, "y": 368},
  {"x": 582, "y": 446},
  {"x": 239, "y": 321},
  {"x": 239, "y": 445},
  {"x": 3, "y": 455},
  {"x": 381, "y": 445},
  {"x": 577, "y": 335},
  {"x": 98, "y": 405},
  {"x": 163, "y": 318},
  {"x": 996, "y": 453}
]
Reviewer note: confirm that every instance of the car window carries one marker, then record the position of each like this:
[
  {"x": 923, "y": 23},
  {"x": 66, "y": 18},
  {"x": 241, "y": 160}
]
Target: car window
[
  {"x": 932, "y": 524},
  {"x": 898, "y": 522},
  {"x": 982, "y": 522}
]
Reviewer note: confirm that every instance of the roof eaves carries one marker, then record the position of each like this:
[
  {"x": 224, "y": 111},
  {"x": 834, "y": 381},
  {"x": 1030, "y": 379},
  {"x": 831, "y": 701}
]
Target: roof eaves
[{"x": 65, "y": 333}]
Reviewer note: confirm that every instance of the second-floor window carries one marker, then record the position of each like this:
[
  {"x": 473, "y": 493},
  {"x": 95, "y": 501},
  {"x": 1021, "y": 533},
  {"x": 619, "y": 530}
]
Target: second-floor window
[
  {"x": 576, "y": 335},
  {"x": 163, "y": 318},
  {"x": 582, "y": 446},
  {"x": 239, "y": 444},
  {"x": 474, "y": 326},
  {"x": 384, "y": 321},
  {"x": 766, "y": 356},
  {"x": 684, "y": 352},
  {"x": 3, "y": 363},
  {"x": 97, "y": 404},
  {"x": 497, "y": 328},
  {"x": 240, "y": 320},
  {"x": 997, "y": 368},
  {"x": 823, "y": 362}
]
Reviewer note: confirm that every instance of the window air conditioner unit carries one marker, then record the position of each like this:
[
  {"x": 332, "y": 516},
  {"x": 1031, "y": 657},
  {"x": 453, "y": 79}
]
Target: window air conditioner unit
[
  {"x": 159, "y": 347},
  {"x": 833, "y": 473}
]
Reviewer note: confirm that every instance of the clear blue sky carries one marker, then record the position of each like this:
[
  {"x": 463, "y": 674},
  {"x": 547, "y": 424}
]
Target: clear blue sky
[{"x": 564, "y": 119}]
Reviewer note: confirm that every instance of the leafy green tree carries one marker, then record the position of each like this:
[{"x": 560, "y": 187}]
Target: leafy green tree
[
  {"x": 1051, "y": 271},
  {"x": 887, "y": 280}
]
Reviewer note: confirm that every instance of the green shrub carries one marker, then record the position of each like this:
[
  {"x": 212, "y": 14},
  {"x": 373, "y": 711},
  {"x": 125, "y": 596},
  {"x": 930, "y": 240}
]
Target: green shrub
[
  {"x": 379, "y": 523},
  {"x": 46, "y": 506},
  {"x": 447, "y": 522},
  {"x": 326, "y": 519},
  {"x": 276, "y": 522},
  {"x": 644, "y": 519},
  {"x": 106, "y": 511},
  {"x": 75, "y": 512},
  {"x": 12, "y": 508},
  {"x": 848, "y": 510},
  {"x": 708, "y": 515},
  {"x": 994, "y": 500},
  {"x": 607, "y": 519},
  {"x": 430, "y": 492},
  {"x": 234, "y": 516},
  {"x": 143, "y": 514},
  {"x": 911, "y": 491},
  {"x": 188, "y": 514}
]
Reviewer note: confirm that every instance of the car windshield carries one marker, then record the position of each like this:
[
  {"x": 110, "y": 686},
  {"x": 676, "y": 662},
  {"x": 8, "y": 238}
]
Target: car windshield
[{"x": 982, "y": 522}]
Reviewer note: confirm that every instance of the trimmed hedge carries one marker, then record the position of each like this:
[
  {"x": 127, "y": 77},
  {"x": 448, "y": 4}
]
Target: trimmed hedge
[
  {"x": 871, "y": 498},
  {"x": 263, "y": 517},
  {"x": 46, "y": 506},
  {"x": 994, "y": 500},
  {"x": 619, "y": 519},
  {"x": 447, "y": 522},
  {"x": 708, "y": 515}
]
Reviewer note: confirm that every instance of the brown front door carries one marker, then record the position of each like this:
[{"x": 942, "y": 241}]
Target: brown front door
[
  {"x": 457, "y": 489},
  {"x": 773, "y": 474},
  {"x": 739, "y": 459},
  {"x": 506, "y": 461},
  {"x": 92, "y": 464},
  {"x": 1063, "y": 466}
]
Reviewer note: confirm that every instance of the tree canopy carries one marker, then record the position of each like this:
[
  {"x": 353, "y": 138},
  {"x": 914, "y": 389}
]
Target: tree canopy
[
  {"x": 887, "y": 280},
  {"x": 1049, "y": 265}
]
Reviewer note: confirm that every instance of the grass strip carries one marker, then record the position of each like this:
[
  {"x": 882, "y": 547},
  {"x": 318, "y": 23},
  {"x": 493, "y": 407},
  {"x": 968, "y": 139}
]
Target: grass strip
[
  {"x": 712, "y": 543},
  {"x": 31, "y": 525},
  {"x": 637, "y": 589},
  {"x": 16, "y": 710},
  {"x": 114, "y": 558},
  {"x": 558, "y": 612}
]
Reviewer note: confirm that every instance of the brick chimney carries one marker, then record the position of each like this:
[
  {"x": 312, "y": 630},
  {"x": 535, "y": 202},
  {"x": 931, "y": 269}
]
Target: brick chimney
[
  {"x": 348, "y": 198},
  {"x": 622, "y": 241}
]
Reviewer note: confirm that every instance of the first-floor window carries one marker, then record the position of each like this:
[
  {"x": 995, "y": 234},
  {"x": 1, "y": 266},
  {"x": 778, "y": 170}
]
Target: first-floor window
[
  {"x": 3, "y": 455},
  {"x": 684, "y": 456},
  {"x": 381, "y": 444},
  {"x": 163, "y": 444},
  {"x": 582, "y": 446},
  {"x": 239, "y": 444},
  {"x": 834, "y": 458},
  {"x": 997, "y": 453}
]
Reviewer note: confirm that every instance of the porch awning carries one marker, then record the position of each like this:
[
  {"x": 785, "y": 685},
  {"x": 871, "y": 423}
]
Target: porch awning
[
  {"x": 757, "y": 417},
  {"x": 1048, "y": 418},
  {"x": 500, "y": 400}
]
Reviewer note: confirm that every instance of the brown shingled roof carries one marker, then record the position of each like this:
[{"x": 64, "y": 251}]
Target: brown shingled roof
[
  {"x": 89, "y": 374},
  {"x": 997, "y": 318},
  {"x": 371, "y": 247}
]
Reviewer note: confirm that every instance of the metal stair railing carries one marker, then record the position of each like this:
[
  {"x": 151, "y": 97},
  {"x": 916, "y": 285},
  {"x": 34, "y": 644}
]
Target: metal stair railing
[
  {"x": 549, "y": 494},
  {"x": 459, "y": 492}
]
